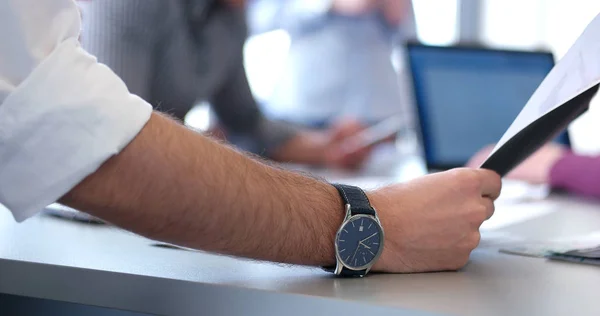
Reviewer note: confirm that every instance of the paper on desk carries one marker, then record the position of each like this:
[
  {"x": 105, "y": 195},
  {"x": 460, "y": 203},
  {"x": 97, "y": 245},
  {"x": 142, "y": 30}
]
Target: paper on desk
[
  {"x": 573, "y": 77},
  {"x": 547, "y": 248},
  {"x": 581, "y": 241}
]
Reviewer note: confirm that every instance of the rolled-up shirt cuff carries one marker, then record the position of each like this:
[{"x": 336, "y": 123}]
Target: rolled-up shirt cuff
[
  {"x": 578, "y": 174},
  {"x": 60, "y": 125}
]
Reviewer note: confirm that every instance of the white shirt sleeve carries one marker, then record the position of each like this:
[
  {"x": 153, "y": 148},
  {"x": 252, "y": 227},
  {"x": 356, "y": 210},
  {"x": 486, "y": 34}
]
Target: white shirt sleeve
[{"x": 62, "y": 114}]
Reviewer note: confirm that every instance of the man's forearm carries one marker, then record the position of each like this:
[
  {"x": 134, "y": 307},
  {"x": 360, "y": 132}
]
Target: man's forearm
[{"x": 174, "y": 185}]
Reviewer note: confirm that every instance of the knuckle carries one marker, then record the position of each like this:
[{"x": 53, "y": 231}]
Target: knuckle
[
  {"x": 457, "y": 173},
  {"x": 465, "y": 260},
  {"x": 474, "y": 240},
  {"x": 460, "y": 262},
  {"x": 474, "y": 178},
  {"x": 478, "y": 215},
  {"x": 490, "y": 210},
  {"x": 496, "y": 180},
  {"x": 484, "y": 212},
  {"x": 468, "y": 179}
]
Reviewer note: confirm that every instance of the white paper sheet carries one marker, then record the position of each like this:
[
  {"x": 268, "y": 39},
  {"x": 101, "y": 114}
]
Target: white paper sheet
[{"x": 576, "y": 72}]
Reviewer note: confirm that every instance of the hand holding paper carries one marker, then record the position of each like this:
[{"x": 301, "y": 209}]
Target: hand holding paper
[{"x": 563, "y": 95}]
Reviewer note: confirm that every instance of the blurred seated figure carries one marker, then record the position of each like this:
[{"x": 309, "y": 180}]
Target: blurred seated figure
[
  {"x": 557, "y": 166},
  {"x": 340, "y": 59},
  {"x": 176, "y": 53}
]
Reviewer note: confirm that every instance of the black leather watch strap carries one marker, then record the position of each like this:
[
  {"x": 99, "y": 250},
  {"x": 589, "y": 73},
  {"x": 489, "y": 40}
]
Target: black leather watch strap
[
  {"x": 356, "y": 197},
  {"x": 347, "y": 272},
  {"x": 353, "y": 273}
]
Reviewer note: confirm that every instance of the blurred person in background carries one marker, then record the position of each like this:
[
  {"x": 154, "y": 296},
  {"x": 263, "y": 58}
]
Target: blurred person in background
[
  {"x": 176, "y": 53},
  {"x": 556, "y": 166},
  {"x": 340, "y": 58}
]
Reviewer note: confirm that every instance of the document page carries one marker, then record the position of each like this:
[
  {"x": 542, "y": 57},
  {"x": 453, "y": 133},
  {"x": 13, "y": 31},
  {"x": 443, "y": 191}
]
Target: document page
[{"x": 570, "y": 84}]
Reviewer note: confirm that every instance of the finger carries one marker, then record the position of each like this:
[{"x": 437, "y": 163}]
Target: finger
[
  {"x": 350, "y": 149},
  {"x": 346, "y": 127},
  {"x": 489, "y": 207},
  {"x": 491, "y": 183},
  {"x": 350, "y": 163},
  {"x": 483, "y": 210},
  {"x": 357, "y": 158}
]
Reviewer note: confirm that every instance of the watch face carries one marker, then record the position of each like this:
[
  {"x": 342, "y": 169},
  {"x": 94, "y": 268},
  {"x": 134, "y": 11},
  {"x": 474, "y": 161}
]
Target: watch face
[{"x": 359, "y": 241}]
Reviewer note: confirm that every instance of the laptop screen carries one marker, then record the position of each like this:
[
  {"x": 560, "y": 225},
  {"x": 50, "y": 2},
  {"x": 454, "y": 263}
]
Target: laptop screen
[{"x": 467, "y": 97}]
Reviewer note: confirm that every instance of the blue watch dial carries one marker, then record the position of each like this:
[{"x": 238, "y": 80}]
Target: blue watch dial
[{"x": 359, "y": 241}]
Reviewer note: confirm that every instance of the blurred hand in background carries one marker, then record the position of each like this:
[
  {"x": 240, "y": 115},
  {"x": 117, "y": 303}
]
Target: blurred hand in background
[
  {"x": 344, "y": 149},
  {"x": 394, "y": 11},
  {"x": 354, "y": 7},
  {"x": 332, "y": 147}
]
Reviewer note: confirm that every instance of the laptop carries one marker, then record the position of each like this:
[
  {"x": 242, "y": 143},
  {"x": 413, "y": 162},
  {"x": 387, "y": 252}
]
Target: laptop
[{"x": 467, "y": 96}]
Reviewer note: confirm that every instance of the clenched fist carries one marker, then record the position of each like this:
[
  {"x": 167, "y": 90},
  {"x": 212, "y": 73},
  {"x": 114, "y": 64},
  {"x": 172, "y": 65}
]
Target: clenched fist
[{"x": 432, "y": 223}]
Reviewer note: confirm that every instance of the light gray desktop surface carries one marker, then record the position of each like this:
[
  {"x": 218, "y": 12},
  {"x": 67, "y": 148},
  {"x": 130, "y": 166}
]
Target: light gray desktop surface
[{"x": 55, "y": 259}]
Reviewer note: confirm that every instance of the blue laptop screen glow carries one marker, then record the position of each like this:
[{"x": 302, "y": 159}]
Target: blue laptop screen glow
[{"x": 467, "y": 98}]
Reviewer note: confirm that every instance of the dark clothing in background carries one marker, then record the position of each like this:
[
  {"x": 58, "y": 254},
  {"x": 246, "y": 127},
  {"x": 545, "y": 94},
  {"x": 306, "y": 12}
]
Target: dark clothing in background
[{"x": 178, "y": 52}]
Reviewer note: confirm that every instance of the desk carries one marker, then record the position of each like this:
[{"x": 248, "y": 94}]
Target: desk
[{"x": 103, "y": 266}]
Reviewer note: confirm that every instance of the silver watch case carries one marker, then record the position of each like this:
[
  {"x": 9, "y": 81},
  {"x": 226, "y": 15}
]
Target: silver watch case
[{"x": 339, "y": 263}]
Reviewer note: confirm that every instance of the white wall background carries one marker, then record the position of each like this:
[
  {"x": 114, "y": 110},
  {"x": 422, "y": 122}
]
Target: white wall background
[{"x": 437, "y": 22}]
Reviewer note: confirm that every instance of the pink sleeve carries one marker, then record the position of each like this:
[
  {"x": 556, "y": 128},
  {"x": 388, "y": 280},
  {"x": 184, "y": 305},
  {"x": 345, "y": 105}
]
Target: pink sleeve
[{"x": 577, "y": 174}]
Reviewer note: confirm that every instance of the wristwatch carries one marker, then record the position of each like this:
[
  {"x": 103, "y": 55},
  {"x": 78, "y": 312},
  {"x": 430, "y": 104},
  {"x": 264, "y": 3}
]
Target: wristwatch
[{"x": 359, "y": 241}]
